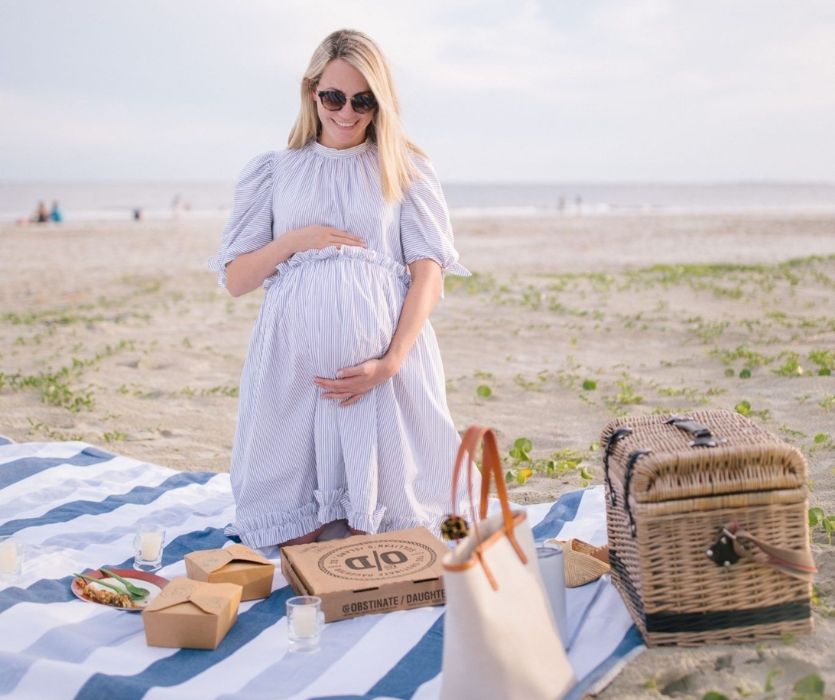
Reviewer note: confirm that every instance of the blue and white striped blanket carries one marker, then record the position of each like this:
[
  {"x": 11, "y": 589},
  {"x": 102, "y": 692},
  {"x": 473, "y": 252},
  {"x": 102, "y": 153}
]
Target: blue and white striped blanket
[{"x": 74, "y": 506}]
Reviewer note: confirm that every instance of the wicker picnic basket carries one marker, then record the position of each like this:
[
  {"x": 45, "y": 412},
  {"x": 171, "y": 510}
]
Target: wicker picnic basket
[{"x": 708, "y": 528}]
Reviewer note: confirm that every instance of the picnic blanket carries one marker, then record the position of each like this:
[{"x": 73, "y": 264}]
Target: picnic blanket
[{"x": 74, "y": 506}]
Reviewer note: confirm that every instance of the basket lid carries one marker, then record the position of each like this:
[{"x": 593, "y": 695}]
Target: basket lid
[{"x": 704, "y": 453}]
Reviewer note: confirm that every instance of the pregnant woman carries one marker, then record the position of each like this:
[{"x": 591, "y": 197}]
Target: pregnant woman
[{"x": 343, "y": 413}]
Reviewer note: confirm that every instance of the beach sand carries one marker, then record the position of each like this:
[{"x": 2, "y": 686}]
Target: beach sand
[{"x": 116, "y": 334}]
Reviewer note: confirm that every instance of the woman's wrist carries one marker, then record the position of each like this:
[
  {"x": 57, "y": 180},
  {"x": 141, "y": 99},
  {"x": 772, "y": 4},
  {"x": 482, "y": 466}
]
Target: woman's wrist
[
  {"x": 283, "y": 248},
  {"x": 392, "y": 363}
]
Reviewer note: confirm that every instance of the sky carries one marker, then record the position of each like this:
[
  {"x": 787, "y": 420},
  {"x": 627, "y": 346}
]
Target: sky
[{"x": 494, "y": 91}]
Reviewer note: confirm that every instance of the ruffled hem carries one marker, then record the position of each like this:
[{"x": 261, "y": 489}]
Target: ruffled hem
[
  {"x": 333, "y": 505},
  {"x": 218, "y": 264},
  {"x": 336, "y": 505},
  {"x": 374, "y": 257},
  {"x": 456, "y": 269},
  {"x": 447, "y": 268},
  {"x": 274, "y": 528},
  {"x": 344, "y": 252},
  {"x": 367, "y": 522}
]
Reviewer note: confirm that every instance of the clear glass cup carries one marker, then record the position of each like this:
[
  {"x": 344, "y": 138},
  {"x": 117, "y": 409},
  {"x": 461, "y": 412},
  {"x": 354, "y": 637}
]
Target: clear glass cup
[
  {"x": 11, "y": 559},
  {"x": 148, "y": 544},
  {"x": 551, "y": 567},
  {"x": 305, "y": 621}
]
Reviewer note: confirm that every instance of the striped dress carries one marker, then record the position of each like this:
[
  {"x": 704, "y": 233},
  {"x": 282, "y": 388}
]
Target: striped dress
[{"x": 300, "y": 460}]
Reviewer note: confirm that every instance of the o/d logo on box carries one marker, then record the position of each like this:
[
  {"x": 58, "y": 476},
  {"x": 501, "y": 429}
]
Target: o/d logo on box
[{"x": 380, "y": 560}]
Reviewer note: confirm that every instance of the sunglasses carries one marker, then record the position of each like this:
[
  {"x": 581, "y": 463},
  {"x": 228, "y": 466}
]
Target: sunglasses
[{"x": 334, "y": 100}]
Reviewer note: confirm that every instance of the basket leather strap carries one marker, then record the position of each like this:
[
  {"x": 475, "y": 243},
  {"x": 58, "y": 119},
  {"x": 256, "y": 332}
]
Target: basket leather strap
[
  {"x": 794, "y": 562},
  {"x": 613, "y": 440},
  {"x": 702, "y": 437},
  {"x": 629, "y": 471}
]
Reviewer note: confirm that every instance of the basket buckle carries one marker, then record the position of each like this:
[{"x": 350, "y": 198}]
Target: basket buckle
[{"x": 722, "y": 552}]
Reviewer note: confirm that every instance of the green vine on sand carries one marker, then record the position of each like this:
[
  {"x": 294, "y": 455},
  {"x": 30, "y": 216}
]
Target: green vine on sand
[
  {"x": 55, "y": 385},
  {"x": 520, "y": 465}
]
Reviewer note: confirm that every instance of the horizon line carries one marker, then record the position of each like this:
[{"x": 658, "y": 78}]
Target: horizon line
[{"x": 503, "y": 183}]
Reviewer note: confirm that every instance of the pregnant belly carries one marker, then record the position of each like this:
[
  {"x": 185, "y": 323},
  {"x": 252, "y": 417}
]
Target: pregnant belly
[{"x": 341, "y": 309}]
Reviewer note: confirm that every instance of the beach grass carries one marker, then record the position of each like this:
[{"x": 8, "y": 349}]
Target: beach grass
[{"x": 563, "y": 326}]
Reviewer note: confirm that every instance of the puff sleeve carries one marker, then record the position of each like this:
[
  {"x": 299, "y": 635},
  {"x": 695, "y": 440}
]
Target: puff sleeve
[
  {"x": 250, "y": 226},
  {"x": 425, "y": 228}
]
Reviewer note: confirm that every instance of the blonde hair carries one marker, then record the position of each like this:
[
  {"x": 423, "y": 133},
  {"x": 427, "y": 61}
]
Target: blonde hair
[{"x": 397, "y": 171}]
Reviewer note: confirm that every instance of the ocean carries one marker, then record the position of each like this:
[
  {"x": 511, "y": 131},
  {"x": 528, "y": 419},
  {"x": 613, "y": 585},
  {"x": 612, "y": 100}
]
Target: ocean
[{"x": 115, "y": 201}]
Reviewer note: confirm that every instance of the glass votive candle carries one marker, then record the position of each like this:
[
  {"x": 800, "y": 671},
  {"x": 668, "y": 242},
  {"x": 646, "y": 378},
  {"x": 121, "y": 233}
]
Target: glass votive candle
[
  {"x": 148, "y": 544},
  {"x": 11, "y": 559},
  {"x": 550, "y": 559},
  {"x": 305, "y": 621}
]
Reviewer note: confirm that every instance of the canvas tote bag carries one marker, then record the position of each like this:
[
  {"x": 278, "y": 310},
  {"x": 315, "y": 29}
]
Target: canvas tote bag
[{"x": 499, "y": 639}]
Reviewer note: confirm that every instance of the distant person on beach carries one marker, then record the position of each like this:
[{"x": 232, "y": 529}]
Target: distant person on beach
[
  {"x": 55, "y": 213},
  {"x": 41, "y": 215},
  {"x": 137, "y": 214},
  {"x": 343, "y": 422}
]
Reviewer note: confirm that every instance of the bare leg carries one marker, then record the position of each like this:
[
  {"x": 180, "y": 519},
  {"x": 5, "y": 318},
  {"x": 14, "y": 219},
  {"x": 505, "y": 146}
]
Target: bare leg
[
  {"x": 304, "y": 539},
  {"x": 335, "y": 530}
]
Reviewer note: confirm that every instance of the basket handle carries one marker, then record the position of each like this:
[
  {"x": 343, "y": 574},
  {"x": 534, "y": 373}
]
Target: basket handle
[
  {"x": 613, "y": 440},
  {"x": 702, "y": 437},
  {"x": 629, "y": 471},
  {"x": 797, "y": 563}
]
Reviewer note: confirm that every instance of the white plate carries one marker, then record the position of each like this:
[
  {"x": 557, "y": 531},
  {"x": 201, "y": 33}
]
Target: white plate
[{"x": 154, "y": 584}]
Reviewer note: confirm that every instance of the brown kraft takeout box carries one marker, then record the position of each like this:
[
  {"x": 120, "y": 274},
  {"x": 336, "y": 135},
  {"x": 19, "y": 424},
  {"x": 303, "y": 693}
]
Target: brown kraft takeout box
[
  {"x": 368, "y": 574},
  {"x": 191, "y": 614},
  {"x": 235, "y": 564}
]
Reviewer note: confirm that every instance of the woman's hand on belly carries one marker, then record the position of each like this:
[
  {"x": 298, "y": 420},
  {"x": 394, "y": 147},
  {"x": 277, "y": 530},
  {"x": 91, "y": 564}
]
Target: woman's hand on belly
[
  {"x": 318, "y": 237},
  {"x": 353, "y": 382},
  {"x": 248, "y": 271}
]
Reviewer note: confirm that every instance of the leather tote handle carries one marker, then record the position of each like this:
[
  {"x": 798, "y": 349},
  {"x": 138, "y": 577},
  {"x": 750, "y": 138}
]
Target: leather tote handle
[
  {"x": 491, "y": 468},
  {"x": 464, "y": 449}
]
